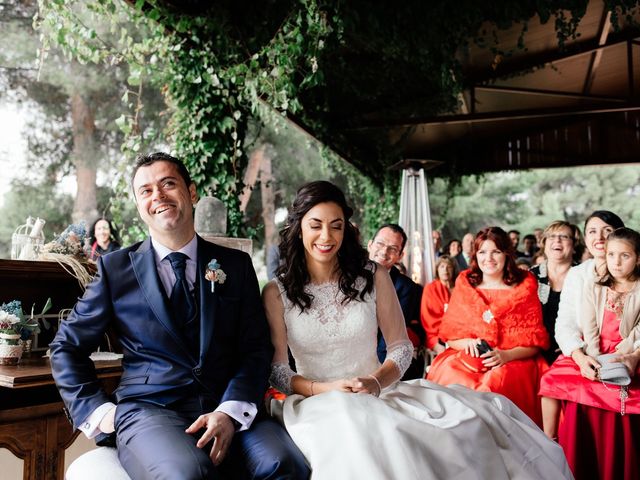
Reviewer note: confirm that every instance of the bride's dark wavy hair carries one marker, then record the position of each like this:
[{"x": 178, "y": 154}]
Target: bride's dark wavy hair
[{"x": 353, "y": 260}]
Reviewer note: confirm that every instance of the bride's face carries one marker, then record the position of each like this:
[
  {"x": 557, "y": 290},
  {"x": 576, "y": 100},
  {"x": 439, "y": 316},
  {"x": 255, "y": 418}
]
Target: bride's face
[{"x": 322, "y": 232}]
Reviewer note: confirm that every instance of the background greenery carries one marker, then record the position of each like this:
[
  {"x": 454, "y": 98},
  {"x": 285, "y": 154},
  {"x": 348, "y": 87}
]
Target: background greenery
[{"x": 213, "y": 85}]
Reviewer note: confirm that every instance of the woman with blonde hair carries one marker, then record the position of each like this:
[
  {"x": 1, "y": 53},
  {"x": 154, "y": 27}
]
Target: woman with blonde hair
[{"x": 558, "y": 247}]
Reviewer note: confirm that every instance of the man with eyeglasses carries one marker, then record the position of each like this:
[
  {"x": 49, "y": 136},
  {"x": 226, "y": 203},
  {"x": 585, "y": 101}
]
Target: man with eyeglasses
[{"x": 387, "y": 249}]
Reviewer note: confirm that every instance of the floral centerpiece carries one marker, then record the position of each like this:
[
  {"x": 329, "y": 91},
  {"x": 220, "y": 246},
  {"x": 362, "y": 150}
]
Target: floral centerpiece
[
  {"x": 14, "y": 327},
  {"x": 68, "y": 250}
]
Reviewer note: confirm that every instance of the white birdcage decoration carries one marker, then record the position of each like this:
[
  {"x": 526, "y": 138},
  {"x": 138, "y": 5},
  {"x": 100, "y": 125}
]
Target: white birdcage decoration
[{"x": 27, "y": 240}]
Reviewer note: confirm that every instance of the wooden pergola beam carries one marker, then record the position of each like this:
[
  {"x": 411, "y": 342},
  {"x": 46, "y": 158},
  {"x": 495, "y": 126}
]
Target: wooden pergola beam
[
  {"x": 578, "y": 48},
  {"x": 596, "y": 56}
]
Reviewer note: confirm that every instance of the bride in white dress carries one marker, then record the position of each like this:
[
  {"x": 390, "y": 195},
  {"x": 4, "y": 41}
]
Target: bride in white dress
[{"x": 349, "y": 415}]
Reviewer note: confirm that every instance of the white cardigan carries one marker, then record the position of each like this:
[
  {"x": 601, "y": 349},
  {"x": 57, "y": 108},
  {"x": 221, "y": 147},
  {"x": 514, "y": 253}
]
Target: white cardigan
[{"x": 568, "y": 327}]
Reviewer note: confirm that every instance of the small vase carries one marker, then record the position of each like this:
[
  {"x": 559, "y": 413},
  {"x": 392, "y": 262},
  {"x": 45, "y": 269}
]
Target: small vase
[
  {"x": 26, "y": 346},
  {"x": 10, "y": 349}
]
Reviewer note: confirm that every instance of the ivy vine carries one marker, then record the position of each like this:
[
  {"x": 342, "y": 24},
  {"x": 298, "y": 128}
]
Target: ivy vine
[
  {"x": 318, "y": 60},
  {"x": 212, "y": 82}
]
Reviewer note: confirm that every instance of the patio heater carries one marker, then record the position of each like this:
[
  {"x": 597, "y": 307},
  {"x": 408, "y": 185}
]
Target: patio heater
[{"x": 415, "y": 219}]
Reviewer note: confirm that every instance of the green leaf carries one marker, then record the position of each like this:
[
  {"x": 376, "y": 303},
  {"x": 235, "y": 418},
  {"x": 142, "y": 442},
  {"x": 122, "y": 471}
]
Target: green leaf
[{"x": 134, "y": 77}]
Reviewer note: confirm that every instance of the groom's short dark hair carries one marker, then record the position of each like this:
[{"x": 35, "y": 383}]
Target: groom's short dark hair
[{"x": 151, "y": 158}]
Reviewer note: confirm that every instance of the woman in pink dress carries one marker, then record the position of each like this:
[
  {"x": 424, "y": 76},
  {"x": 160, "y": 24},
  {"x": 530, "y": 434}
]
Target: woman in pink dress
[{"x": 600, "y": 432}]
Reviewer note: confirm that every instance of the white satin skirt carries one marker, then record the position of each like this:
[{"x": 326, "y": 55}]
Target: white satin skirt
[{"x": 419, "y": 430}]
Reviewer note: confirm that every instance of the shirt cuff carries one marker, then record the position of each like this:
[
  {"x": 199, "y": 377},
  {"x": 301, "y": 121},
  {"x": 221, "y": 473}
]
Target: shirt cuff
[
  {"x": 91, "y": 426},
  {"x": 242, "y": 412}
]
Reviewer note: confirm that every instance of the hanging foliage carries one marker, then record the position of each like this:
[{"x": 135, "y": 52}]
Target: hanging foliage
[
  {"x": 212, "y": 80},
  {"x": 327, "y": 64}
]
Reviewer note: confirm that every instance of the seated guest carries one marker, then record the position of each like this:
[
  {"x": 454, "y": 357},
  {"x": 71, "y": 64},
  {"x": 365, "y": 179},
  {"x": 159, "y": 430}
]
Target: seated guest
[
  {"x": 529, "y": 248},
  {"x": 493, "y": 327},
  {"x": 538, "y": 233},
  {"x": 464, "y": 259},
  {"x": 387, "y": 248},
  {"x": 435, "y": 300},
  {"x": 600, "y": 432},
  {"x": 104, "y": 239},
  {"x": 557, "y": 244},
  {"x": 453, "y": 248},
  {"x": 514, "y": 237},
  {"x": 437, "y": 242}
]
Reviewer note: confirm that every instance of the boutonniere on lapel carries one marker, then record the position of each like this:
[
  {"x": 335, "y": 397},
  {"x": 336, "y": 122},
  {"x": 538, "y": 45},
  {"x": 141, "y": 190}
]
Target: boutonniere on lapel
[{"x": 215, "y": 274}]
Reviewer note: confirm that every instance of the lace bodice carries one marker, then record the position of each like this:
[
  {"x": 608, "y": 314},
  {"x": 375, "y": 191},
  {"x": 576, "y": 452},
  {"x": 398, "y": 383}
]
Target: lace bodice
[{"x": 332, "y": 340}]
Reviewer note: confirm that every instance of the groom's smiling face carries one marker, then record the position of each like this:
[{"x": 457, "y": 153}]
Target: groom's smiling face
[{"x": 164, "y": 202}]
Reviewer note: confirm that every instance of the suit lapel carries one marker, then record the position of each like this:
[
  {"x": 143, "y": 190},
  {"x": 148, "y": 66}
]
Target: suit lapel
[
  {"x": 144, "y": 266},
  {"x": 208, "y": 300}
]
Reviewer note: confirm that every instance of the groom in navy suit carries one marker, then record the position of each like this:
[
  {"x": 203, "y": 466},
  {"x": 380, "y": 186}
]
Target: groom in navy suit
[{"x": 196, "y": 346}]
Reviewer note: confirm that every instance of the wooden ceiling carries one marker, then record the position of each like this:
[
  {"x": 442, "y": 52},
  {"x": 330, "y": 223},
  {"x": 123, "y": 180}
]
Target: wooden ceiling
[
  {"x": 541, "y": 106},
  {"x": 538, "y": 106}
]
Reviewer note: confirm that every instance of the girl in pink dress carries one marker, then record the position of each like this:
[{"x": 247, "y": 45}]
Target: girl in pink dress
[{"x": 600, "y": 431}]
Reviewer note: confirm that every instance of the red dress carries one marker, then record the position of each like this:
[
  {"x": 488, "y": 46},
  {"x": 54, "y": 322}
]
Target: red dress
[
  {"x": 593, "y": 434},
  {"x": 435, "y": 299},
  {"x": 515, "y": 321}
]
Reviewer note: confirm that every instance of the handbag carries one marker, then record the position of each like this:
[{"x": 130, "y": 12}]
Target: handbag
[
  {"x": 473, "y": 364},
  {"x": 613, "y": 373}
]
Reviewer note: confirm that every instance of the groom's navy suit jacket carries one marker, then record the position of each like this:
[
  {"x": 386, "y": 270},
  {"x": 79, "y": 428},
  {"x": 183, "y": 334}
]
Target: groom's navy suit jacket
[{"x": 235, "y": 351}]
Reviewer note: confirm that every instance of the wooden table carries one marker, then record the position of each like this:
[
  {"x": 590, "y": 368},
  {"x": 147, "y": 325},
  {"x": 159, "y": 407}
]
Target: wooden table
[{"x": 32, "y": 423}]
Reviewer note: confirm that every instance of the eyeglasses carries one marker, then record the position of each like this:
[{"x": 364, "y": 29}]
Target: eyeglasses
[
  {"x": 392, "y": 249},
  {"x": 559, "y": 236}
]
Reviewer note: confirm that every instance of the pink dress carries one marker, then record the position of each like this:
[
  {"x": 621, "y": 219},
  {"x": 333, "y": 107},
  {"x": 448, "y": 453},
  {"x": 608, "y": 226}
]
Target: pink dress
[{"x": 594, "y": 435}]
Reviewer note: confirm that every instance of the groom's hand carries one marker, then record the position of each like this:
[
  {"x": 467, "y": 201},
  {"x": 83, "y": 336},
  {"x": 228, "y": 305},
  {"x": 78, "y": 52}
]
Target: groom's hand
[{"x": 219, "y": 428}]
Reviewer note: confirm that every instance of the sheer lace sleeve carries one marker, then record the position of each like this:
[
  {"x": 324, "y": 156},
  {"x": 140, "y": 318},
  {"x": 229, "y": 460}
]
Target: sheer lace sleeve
[
  {"x": 281, "y": 373},
  {"x": 391, "y": 322},
  {"x": 280, "y": 378}
]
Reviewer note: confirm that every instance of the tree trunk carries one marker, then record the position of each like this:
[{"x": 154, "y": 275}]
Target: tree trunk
[
  {"x": 85, "y": 159},
  {"x": 251, "y": 177},
  {"x": 268, "y": 198}
]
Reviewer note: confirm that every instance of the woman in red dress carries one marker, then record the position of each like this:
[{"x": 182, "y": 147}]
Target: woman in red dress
[
  {"x": 497, "y": 303},
  {"x": 600, "y": 432},
  {"x": 435, "y": 301}
]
